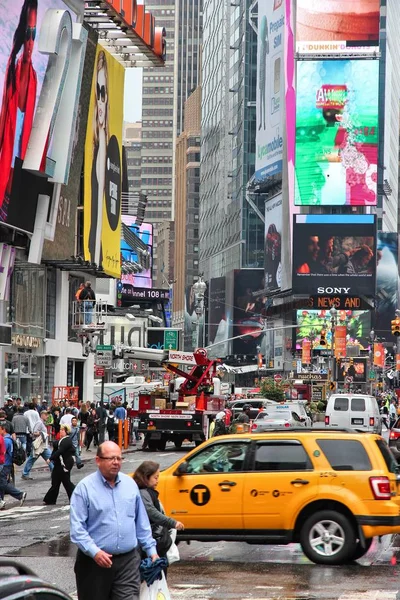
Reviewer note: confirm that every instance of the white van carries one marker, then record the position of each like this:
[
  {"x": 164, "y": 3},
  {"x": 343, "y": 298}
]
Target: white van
[{"x": 353, "y": 411}]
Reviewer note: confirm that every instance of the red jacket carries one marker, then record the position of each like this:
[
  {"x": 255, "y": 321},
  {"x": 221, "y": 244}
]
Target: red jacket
[{"x": 2, "y": 450}]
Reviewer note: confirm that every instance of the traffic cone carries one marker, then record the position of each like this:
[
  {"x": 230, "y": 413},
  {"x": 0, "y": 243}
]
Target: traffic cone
[{"x": 201, "y": 402}]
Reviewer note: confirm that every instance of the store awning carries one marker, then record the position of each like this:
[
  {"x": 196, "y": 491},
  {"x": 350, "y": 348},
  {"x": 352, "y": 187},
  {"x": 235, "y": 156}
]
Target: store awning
[{"x": 128, "y": 32}]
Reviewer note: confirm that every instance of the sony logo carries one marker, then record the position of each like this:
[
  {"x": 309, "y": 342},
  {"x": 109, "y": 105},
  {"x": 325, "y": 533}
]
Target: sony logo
[{"x": 333, "y": 290}]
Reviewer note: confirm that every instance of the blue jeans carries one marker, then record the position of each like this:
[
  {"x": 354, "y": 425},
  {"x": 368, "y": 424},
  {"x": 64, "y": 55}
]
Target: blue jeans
[
  {"x": 78, "y": 459},
  {"x": 22, "y": 438},
  {"x": 32, "y": 459},
  {"x": 88, "y": 311},
  {"x": 5, "y": 486}
]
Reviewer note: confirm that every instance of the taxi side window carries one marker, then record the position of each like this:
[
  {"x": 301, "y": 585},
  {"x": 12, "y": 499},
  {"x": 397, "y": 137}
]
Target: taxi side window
[
  {"x": 345, "y": 455},
  {"x": 281, "y": 455},
  {"x": 219, "y": 458}
]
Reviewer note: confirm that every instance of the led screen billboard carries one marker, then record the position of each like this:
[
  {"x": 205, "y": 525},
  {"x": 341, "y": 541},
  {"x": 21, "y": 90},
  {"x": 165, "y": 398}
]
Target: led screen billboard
[
  {"x": 334, "y": 255},
  {"x": 218, "y": 325},
  {"x": 310, "y": 323},
  {"x": 336, "y": 132},
  {"x": 273, "y": 243},
  {"x": 22, "y": 72},
  {"x": 387, "y": 282},
  {"x": 133, "y": 253},
  {"x": 351, "y": 370},
  {"x": 271, "y": 87},
  {"x": 248, "y": 310},
  {"x": 336, "y": 26}
]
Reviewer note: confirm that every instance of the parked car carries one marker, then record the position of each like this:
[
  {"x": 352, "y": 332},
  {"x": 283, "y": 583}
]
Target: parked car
[
  {"x": 236, "y": 406},
  {"x": 331, "y": 490},
  {"x": 277, "y": 417},
  {"x": 355, "y": 411},
  {"x": 25, "y": 585}
]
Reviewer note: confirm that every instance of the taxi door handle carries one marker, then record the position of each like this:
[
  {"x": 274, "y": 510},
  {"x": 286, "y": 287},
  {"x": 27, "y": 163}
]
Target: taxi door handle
[
  {"x": 230, "y": 483},
  {"x": 300, "y": 481}
]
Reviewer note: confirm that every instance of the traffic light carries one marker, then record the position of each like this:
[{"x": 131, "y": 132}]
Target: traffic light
[
  {"x": 396, "y": 326},
  {"x": 322, "y": 340}
]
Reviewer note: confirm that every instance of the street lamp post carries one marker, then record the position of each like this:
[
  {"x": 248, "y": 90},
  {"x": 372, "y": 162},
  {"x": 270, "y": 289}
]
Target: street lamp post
[
  {"x": 333, "y": 313},
  {"x": 199, "y": 289}
]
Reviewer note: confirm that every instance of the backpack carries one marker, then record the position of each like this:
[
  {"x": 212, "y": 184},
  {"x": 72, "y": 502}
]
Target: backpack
[{"x": 19, "y": 454}]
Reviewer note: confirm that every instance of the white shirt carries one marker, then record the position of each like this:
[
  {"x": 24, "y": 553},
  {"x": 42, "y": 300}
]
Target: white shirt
[
  {"x": 33, "y": 417},
  {"x": 66, "y": 419}
]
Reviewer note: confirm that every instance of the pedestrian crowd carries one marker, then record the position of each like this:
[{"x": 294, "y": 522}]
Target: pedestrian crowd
[{"x": 389, "y": 408}]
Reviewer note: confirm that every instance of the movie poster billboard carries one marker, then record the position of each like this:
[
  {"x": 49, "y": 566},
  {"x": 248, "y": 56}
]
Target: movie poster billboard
[
  {"x": 387, "y": 282},
  {"x": 64, "y": 244},
  {"x": 248, "y": 310},
  {"x": 273, "y": 243},
  {"x": 22, "y": 72},
  {"x": 103, "y": 165},
  {"x": 310, "y": 323},
  {"x": 334, "y": 255},
  {"x": 270, "y": 89},
  {"x": 336, "y": 26},
  {"x": 141, "y": 254},
  {"x": 337, "y": 133}
]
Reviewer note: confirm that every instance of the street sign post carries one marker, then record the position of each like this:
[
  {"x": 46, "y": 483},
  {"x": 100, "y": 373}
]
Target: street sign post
[
  {"x": 278, "y": 378},
  {"x": 104, "y": 356},
  {"x": 103, "y": 361},
  {"x": 100, "y": 371},
  {"x": 171, "y": 339}
]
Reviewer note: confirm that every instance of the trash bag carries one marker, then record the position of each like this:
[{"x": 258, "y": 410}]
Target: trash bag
[
  {"x": 173, "y": 552},
  {"x": 157, "y": 591}
]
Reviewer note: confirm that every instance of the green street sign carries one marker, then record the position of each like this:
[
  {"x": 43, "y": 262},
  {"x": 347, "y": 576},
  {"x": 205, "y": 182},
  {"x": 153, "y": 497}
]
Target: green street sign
[
  {"x": 171, "y": 339},
  {"x": 104, "y": 348},
  {"x": 372, "y": 375}
]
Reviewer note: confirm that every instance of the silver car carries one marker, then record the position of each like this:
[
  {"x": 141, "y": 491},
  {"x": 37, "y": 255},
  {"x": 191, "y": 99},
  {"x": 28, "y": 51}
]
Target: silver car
[{"x": 277, "y": 417}]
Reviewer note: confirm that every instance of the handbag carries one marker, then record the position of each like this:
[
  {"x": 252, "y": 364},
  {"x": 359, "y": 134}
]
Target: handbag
[
  {"x": 38, "y": 445},
  {"x": 173, "y": 552},
  {"x": 156, "y": 591}
]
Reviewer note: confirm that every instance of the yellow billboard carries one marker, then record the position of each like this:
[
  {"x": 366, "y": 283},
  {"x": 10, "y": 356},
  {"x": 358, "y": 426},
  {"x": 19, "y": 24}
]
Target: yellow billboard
[{"x": 103, "y": 166}]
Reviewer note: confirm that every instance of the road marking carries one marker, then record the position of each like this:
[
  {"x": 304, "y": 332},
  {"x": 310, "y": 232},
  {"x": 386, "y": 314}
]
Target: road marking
[
  {"x": 26, "y": 512},
  {"x": 371, "y": 595}
]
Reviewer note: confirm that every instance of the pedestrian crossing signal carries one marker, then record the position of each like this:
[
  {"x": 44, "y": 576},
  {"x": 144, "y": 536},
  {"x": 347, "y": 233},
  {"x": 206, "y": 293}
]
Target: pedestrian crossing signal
[{"x": 396, "y": 326}]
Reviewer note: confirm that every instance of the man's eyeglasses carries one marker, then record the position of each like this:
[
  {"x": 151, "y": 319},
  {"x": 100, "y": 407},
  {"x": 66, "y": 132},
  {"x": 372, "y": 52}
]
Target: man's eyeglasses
[
  {"x": 112, "y": 458},
  {"x": 101, "y": 91},
  {"x": 30, "y": 33}
]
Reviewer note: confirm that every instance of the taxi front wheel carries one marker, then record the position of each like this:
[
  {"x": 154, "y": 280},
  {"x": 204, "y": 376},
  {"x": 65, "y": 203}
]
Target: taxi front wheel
[{"x": 328, "y": 538}]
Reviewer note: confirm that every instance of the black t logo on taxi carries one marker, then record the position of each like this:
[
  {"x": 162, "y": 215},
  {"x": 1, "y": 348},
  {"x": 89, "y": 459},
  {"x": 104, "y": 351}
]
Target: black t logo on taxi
[{"x": 200, "y": 495}]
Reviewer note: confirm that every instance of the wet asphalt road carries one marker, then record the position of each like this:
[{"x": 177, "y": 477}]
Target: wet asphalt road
[{"x": 37, "y": 535}]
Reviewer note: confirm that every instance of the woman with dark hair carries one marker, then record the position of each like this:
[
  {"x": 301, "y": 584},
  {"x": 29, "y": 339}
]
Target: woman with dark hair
[
  {"x": 100, "y": 142},
  {"x": 19, "y": 97},
  {"x": 63, "y": 459},
  {"x": 146, "y": 477}
]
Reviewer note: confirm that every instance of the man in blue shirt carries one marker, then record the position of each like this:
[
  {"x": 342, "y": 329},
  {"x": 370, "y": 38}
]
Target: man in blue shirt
[
  {"x": 5, "y": 470},
  {"x": 108, "y": 523}
]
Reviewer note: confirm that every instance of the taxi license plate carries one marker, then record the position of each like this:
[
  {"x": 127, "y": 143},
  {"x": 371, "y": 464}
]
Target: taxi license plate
[{"x": 152, "y": 427}]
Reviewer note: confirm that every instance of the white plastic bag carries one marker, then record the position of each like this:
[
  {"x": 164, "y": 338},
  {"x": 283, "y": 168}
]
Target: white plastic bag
[
  {"x": 173, "y": 552},
  {"x": 157, "y": 591}
]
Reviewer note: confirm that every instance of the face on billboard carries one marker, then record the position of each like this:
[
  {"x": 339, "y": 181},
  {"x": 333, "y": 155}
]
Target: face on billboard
[
  {"x": 387, "y": 282},
  {"x": 273, "y": 243},
  {"x": 334, "y": 25},
  {"x": 103, "y": 165},
  {"x": 22, "y": 71},
  {"x": 334, "y": 255},
  {"x": 249, "y": 320},
  {"x": 310, "y": 323},
  {"x": 145, "y": 233},
  {"x": 270, "y": 83},
  {"x": 337, "y": 132},
  {"x": 352, "y": 367}
]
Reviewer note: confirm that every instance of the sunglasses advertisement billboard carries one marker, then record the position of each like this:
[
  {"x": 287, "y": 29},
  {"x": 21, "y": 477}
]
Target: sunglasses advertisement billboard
[
  {"x": 336, "y": 133},
  {"x": 273, "y": 243},
  {"x": 270, "y": 89},
  {"x": 336, "y": 26},
  {"x": 310, "y": 324},
  {"x": 387, "y": 282},
  {"x": 103, "y": 165},
  {"x": 22, "y": 73},
  {"x": 248, "y": 310},
  {"x": 334, "y": 255}
]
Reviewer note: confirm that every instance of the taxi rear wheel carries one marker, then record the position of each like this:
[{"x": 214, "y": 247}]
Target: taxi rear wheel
[{"x": 328, "y": 538}]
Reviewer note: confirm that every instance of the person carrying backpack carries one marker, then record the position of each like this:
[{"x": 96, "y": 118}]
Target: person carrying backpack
[{"x": 6, "y": 465}]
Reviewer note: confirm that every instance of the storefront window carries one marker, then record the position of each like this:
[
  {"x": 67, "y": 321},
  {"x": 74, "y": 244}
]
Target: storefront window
[
  {"x": 25, "y": 376},
  {"x": 28, "y": 299}
]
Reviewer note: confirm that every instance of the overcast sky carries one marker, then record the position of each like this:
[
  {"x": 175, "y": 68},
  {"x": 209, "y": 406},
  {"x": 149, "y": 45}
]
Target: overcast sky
[{"x": 133, "y": 95}]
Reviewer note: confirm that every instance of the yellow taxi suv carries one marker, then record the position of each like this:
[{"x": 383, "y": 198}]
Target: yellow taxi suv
[{"x": 330, "y": 490}]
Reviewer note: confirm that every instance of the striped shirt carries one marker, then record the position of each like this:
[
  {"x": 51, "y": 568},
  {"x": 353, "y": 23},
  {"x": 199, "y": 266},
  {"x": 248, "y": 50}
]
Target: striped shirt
[{"x": 108, "y": 518}]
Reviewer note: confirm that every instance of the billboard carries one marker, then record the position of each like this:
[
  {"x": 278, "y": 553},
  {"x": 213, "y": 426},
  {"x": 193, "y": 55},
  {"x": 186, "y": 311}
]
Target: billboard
[
  {"x": 22, "y": 73},
  {"x": 103, "y": 165},
  {"x": 387, "y": 282},
  {"x": 351, "y": 370},
  {"x": 248, "y": 310},
  {"x": 131, "y": 252},
  {"x": 336, "y": 26},
  {"x": 334, "y": 254},
  {"x": 310, "y": 323},
  {"x": 218, "y": 324},
  {"x": 270, "y": 89},
  {"x": 336, "y": 132},
  {"x": 273, "y": 243},
  {"x": 63, "y": 244}
]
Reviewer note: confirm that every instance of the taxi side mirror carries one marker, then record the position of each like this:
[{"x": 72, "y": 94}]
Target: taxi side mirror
[{"x": 182, "y": 469}]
